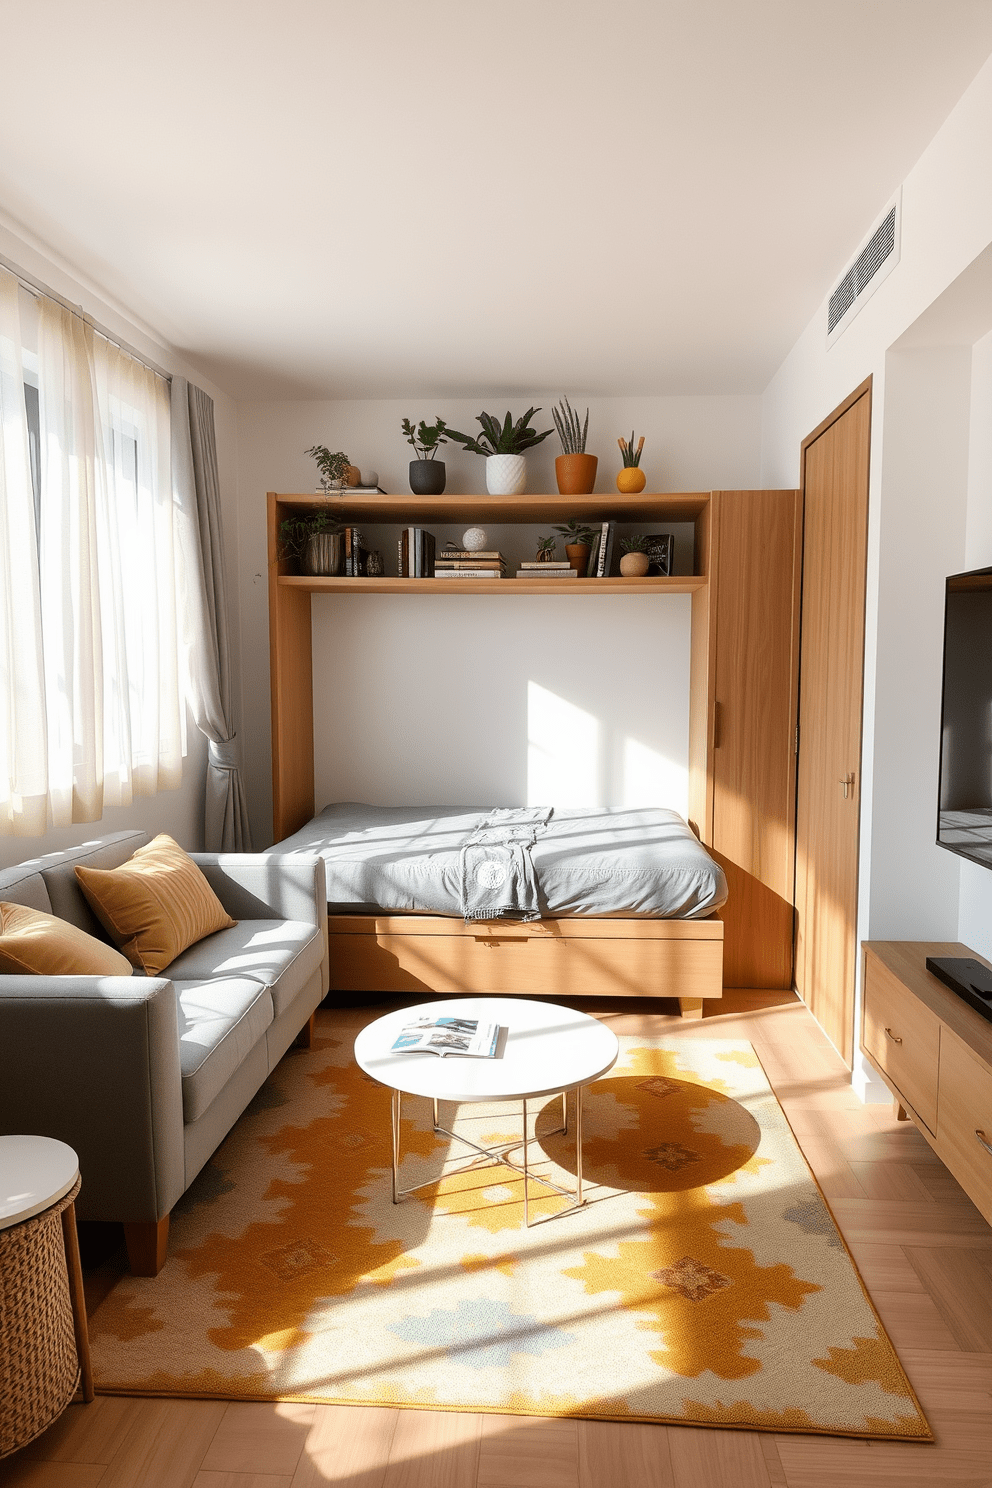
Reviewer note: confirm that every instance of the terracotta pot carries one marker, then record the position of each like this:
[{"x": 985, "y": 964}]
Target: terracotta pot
[
  {"x": 427, "y": 477},
  {"x": 578, "y": 556},
  {"x": 634, "y": 565},
  {"x": 576, "y": 474},
  {"x": 631, "y": 480}
]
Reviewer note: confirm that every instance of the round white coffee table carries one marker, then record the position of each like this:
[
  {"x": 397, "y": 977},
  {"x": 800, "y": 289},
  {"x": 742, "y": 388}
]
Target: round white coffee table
[{"x": 543, "y": 1050}]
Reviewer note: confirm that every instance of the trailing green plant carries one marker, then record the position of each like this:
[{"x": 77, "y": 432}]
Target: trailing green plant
[
  {"x": 296, "y": 532},
  {"x": 425, "y": 438},
  {"x": 631, "y": 457},
  {"x": 634, "y": 544},
  {"x": 508, "y": 438},
  {"x": 575, "y": 531},
  {"x": 571, "y": 433},
  {"x": 546, "y": 549},
  {"x": 332, "y": 467}
]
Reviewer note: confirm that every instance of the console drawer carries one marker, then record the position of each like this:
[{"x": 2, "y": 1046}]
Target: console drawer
[
  {"x": 964, "y": 1111},
  {"x": 903, "y": 1038}
]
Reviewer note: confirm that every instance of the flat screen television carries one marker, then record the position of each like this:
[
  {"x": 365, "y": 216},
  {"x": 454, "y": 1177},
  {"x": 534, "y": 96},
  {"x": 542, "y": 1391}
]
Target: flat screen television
[{"x": 964, "y": 813}]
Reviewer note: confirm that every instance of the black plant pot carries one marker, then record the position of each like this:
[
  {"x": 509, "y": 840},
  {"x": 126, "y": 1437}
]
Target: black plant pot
[{"x": 427, "y": 477}]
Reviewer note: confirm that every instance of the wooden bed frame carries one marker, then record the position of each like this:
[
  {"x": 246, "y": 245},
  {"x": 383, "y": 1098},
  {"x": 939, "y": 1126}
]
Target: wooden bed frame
[
  {"x": 744, "y": 588},
  {"x": 564, "y": 958}
]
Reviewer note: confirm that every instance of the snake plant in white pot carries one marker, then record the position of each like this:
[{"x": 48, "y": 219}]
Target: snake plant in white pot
[{"x": 503, "y": 446}]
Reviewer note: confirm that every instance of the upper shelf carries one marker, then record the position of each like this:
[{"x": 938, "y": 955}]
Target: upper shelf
[
  {"x": 601, "y": 507},
  {"x": 616, "y": 584}
]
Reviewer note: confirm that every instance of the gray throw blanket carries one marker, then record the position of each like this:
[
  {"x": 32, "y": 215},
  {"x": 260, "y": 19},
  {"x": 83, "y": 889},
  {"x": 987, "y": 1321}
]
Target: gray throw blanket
[{"x": 498, "y": 881}]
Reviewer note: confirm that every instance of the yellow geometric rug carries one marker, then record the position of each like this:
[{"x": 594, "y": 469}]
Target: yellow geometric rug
[{"x": 703, "y": 1283}]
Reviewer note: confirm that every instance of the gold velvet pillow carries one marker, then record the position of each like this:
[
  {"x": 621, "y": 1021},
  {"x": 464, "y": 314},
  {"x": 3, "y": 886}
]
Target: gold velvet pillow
[
  {"x": 155, "y": 905},
  {"x": 32, "y": 941}
]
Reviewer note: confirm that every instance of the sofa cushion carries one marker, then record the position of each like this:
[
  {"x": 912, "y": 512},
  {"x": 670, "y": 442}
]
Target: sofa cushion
[
  {"x": 279, "y": 954},
  {"x": 43, "y": 945},
  {"x": 220, "y": 1021},
  {"x": 18, "y": 887},
  {"x": 154, "y": 905}
]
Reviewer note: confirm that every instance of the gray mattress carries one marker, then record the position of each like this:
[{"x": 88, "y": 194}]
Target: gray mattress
[{"x": 588, "y": 861}]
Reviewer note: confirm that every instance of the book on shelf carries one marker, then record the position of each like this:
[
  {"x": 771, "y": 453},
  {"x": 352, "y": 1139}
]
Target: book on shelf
[
  {"x": 661, "y": 553},
  {"x": 469, "y": 573},
  {"x": 604, "y": 554},
  {"x": 447, "y": 553},
  {"x": 416, "y": 554},
  {"x": 354, "y": 546},
  {"x": 465, "y": 564},
  {"x": 545, "y": 571},
  {"x": 545, "y": 567},
  {"x": 467, "y": 1038},
  {"x": 345, "y": 491}
]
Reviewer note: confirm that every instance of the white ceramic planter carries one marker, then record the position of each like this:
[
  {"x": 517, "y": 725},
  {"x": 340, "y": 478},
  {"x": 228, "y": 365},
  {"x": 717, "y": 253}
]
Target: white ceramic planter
[{"x": 506, "y": 475}]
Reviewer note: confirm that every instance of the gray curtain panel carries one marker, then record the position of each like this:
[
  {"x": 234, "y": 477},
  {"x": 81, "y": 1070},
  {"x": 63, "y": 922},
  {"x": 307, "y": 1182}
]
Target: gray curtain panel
[{"x": 204, "y": 614}]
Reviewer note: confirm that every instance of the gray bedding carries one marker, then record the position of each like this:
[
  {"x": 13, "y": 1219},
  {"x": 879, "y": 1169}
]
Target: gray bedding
[{"x": 586, "y": 861}]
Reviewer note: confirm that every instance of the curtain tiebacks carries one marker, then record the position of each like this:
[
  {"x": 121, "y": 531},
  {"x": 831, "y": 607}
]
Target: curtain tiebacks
[{"x": 225, "y": 755}]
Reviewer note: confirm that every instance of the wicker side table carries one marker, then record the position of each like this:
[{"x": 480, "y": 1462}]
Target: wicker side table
[{"x": 44, "y": 1346}]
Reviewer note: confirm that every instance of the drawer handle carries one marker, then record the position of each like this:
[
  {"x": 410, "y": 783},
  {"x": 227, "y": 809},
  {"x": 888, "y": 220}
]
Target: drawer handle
[
  {"x": 983, "y": 1140},
  {"x": 893, "y": 1036}
]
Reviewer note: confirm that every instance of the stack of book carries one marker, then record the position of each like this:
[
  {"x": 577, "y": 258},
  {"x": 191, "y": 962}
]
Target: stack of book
[
  {"x": 354, "y": 549},
  {"x": 546, "y": 571},
  {"x": 416, "y": 554},
  {"x": 459, "y": 563}
]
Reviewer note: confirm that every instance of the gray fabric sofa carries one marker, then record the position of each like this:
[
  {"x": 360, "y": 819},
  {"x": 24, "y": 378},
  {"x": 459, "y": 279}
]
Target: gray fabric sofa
[{"x": 144, "y": 1076}]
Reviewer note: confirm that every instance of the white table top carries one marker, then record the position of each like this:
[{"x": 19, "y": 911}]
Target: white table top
[
  {"x": 547, "y": 1049},
  {"x": 35, "y": 1172}
]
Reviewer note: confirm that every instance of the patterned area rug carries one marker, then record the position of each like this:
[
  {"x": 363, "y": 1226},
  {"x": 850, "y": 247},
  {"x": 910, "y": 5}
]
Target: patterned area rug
[{"x": 703, "y": 1283}]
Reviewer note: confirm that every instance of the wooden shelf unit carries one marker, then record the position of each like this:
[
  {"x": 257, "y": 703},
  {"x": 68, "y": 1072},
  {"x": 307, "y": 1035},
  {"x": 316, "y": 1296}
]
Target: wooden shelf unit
[{"x": 743, "y": 672}]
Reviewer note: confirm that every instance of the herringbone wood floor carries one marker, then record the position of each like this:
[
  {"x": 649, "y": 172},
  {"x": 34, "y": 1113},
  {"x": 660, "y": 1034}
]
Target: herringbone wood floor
[{"x": 923, "y": 1249}]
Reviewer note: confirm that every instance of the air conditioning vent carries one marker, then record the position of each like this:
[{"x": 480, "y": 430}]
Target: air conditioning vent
[{"x": 874, "y": 261}]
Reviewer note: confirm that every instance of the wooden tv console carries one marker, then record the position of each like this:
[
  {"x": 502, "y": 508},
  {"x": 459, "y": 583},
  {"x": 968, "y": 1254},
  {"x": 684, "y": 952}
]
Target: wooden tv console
[{"x": 935, "y": 1054}]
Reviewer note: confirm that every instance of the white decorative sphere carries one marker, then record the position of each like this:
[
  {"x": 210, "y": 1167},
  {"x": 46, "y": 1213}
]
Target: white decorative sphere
[
  {"x": 369, "y": 478},
  {"x": 474, "y": 539}
]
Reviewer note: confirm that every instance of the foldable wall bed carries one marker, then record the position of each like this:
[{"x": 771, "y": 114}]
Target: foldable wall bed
[{"x": 626, "y": 901}]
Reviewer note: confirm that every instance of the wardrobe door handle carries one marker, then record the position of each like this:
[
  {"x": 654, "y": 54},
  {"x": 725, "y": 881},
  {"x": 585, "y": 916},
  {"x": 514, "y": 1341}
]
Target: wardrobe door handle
[
  {"x": 893, "y": 1036},
  {"x": 983, "y": 1140}
]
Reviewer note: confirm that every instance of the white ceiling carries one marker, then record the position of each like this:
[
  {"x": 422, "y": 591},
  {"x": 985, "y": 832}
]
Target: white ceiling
[{"x": 313, "y": 198}]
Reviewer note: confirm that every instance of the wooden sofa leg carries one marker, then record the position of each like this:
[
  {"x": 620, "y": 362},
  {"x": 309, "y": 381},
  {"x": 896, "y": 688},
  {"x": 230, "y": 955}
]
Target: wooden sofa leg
[
  {"x": 147, "y": 1242},
  {"x": 691, "y": 1007},
  {"x": 304, "y": 1039}
]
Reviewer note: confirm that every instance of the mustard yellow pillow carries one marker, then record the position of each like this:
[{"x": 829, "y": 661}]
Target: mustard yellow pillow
[
  {"x": 155, "y": 905},
  {"x": 32, "y": 941}
]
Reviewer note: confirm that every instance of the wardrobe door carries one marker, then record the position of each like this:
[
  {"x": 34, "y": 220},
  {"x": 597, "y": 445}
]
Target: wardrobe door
[
  {"x": 835, "y": 485},
  {"x": 756, "y": 553}
]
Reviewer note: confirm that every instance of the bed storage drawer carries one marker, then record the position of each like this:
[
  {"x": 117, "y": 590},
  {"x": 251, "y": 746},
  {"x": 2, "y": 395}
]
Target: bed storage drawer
[
  {"x": 605, "y": 958},
  {"x": 902, "y": 1036}
]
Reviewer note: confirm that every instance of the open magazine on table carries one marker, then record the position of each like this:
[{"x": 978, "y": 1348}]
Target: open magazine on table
[{"x": 464, "y": 1036}]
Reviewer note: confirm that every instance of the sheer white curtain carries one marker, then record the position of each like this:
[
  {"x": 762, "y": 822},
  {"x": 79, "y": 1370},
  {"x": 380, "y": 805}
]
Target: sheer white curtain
[
  {"x": 23, "y": 735},
  {"x": 93, "y": 714}
]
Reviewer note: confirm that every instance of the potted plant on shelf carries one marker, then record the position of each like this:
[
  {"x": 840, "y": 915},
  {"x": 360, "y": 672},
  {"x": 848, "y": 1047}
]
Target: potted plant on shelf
[
  {"x": 427, "y": 472},
  {"x": 631, "y": 478},
  {"x": 334, "y": 468},
  {"x": 546, "y": 549},
  {"x": 313, "y": 541},
  {"x": 635, "y": 561},
  {"x": 575, "y": 471},
  {"x": 503, "y": 446},
  {"x": 578, "y": 544}
]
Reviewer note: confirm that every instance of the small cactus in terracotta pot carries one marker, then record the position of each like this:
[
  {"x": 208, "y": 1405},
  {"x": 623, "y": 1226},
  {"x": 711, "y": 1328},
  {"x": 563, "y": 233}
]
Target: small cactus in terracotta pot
[{"x": 635, "y": 561}]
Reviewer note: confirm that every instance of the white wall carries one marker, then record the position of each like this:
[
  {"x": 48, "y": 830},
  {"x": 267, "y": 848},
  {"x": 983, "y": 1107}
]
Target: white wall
[
  {"x": 179, "y": 812},
  {"x": 444, "y": 718},
  {"x": 919, "y": 355}
]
